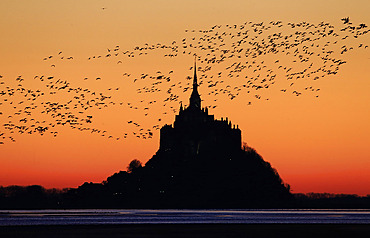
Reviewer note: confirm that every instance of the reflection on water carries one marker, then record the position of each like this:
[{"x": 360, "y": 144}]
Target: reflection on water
[{"x": 116, "y": 216}]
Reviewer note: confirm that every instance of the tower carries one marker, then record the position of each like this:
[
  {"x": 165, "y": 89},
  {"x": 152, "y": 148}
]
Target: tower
[
  {"x": 194, "y": 130},
  {"x": 195, "y": 101}
]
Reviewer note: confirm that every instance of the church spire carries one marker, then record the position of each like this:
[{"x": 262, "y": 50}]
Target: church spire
[
  {"x": 195, "y": 101},
  {"x": 195, "y": 80}
]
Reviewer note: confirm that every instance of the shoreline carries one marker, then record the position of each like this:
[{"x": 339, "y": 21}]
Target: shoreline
[{"x": 187, "y": 230}]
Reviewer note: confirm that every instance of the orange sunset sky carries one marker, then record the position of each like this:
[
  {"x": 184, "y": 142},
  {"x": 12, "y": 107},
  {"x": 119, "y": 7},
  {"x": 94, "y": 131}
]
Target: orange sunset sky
[{"x": 318, "y": 141}]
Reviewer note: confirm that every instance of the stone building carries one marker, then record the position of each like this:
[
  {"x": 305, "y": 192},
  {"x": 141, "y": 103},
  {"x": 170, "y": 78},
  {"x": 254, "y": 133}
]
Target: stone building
[{"x": 195, "y": 131}]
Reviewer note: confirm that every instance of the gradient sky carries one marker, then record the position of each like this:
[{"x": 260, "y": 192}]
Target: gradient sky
[{"x": 316, "y": 144}]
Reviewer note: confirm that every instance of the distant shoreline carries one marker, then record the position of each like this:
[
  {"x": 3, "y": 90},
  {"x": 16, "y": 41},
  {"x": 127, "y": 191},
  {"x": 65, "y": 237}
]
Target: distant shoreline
[{"x": 189, "y": 230}]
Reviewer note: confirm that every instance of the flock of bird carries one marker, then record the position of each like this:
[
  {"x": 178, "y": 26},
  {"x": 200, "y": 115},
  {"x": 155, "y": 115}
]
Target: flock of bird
[{"x": 232, "y": 60}]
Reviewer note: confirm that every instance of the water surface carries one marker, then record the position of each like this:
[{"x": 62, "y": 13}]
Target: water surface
[{"x": 139, "y": 216}]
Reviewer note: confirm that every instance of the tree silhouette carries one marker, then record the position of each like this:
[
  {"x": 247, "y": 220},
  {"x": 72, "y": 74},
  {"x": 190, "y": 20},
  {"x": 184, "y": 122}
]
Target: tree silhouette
[{"x": 134, "y": 164}]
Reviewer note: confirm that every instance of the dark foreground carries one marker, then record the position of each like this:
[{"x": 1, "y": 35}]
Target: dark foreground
[{"x": 189, "y": 230}]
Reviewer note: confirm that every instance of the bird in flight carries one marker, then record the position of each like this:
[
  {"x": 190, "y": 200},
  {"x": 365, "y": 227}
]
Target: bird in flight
[{"x": 345, "y": 20}]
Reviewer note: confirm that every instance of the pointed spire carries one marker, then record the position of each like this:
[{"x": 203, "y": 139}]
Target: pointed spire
[
  {"x": 195, "y": 80},
  {"x": 195, "y": 101}
]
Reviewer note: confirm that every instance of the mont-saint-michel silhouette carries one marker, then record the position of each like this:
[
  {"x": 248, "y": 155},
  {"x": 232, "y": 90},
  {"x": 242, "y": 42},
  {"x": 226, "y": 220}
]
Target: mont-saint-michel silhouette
[{"x": 200, "y": 163}]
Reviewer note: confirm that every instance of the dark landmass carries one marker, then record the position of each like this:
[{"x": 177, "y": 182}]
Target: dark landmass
[
  {"x": 190, "y": 230},
  {"x": 214, "y": 179},
  {"x": 37, "y": 197},
  {"x": 200, "y": 164},
  {"x": 237, "y": 180}
]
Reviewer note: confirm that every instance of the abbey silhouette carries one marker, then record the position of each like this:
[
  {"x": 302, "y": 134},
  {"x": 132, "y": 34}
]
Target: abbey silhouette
[
  {"x": 195, "y": 130},
  {"x": 200, "y": 164}
]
